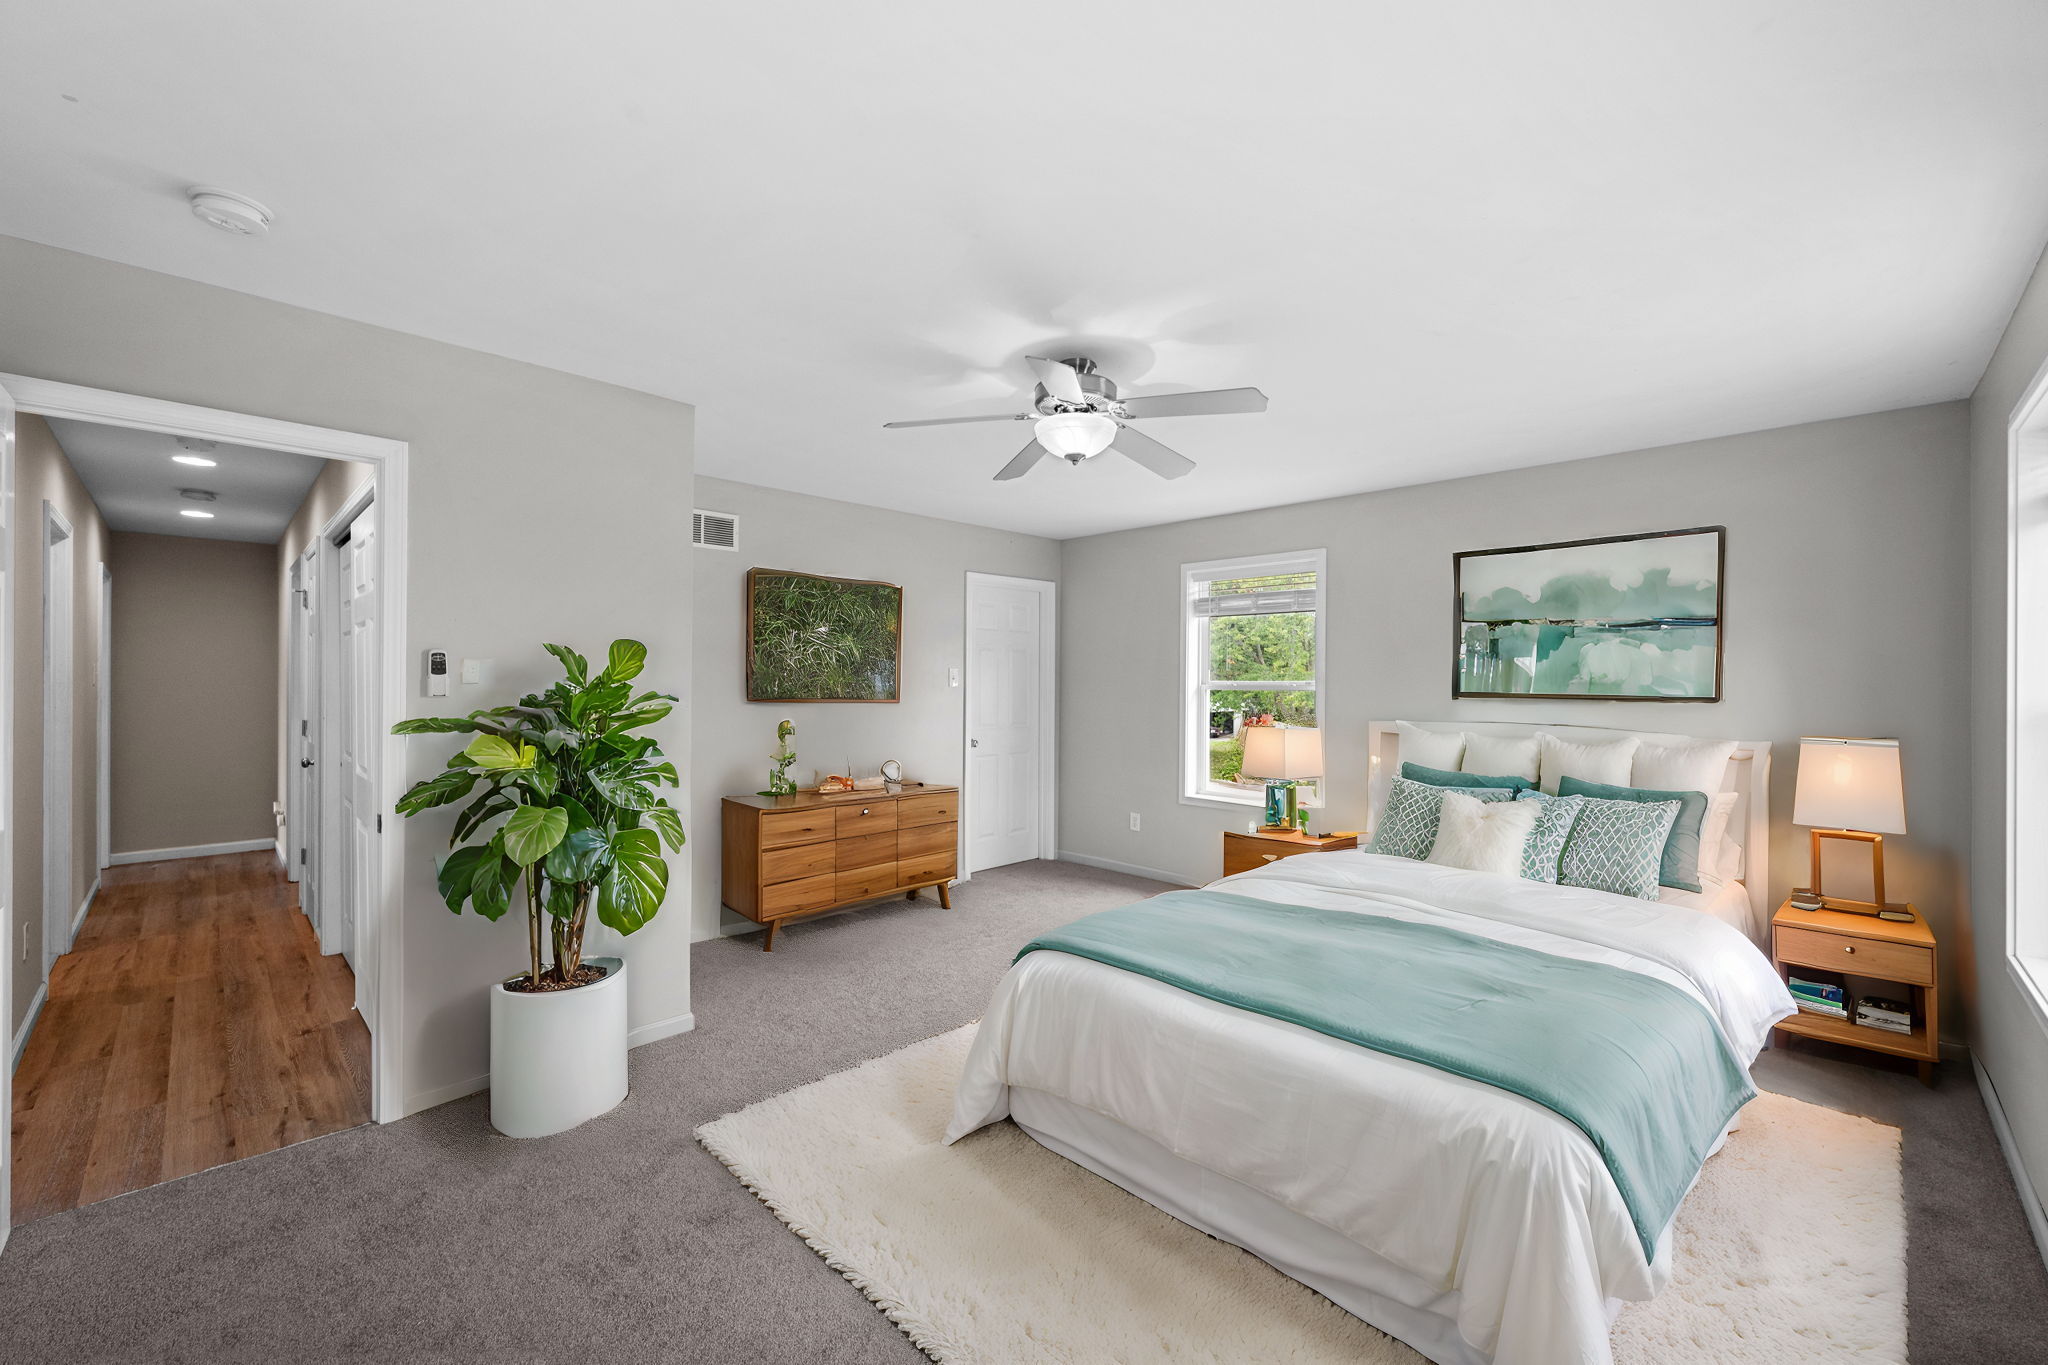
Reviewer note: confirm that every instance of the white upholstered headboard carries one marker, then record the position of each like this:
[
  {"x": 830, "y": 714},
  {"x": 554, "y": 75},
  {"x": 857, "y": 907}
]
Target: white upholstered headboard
[{"x": 1749, "y": 777}]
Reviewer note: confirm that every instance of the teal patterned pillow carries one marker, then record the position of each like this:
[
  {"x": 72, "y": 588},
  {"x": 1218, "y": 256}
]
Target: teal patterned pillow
[
  {"x": 1617, "y": 846},
  {"x": 1408, "y": 824},
  {"x": 1443, "y": 777},
  {"x": 1545, "y": 849}
]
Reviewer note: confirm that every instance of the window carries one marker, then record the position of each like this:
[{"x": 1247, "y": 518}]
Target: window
[{"x": 1252, "y": 656}]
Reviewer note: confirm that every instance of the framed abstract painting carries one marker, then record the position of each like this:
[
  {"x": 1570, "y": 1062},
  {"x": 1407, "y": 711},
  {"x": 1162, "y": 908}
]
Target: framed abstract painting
[{"x": 1619, "y": 618}]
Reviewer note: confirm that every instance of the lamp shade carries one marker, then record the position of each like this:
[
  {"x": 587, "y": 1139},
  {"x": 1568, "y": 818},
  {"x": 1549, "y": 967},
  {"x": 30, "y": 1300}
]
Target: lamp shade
[
  {"x": 1274, "y": 754},
  {"x": 1850, "y": 784},
  {"x": 1071, "y": 434}
]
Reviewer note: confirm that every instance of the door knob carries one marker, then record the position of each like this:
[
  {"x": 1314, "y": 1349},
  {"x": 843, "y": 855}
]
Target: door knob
[
  {"x": 974, "y": 744},
  {"x": 305, "y": 763}
]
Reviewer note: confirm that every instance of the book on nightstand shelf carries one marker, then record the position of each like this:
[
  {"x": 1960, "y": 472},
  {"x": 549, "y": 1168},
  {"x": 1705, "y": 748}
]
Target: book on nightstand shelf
[
  {"x": 1889, "y": 1015},
  {"x": 1818, "y": 997}
]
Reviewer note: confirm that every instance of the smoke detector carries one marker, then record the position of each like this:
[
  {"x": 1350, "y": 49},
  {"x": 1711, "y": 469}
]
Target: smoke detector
[{"x": 228, "y": 211}]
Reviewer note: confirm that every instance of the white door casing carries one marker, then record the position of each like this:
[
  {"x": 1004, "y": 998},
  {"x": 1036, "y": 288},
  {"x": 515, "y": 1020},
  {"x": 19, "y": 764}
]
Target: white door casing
[
  {"x": 9, "y": 934},
  {"x": 104, "y": 731},
  {"x": 1007, "y": 808},
  {"x": 302, "y": 748},
  {"x": 379, "y": 981},
  {"x": 59, "y": 690},
  {"x": 365, "y": 741}
]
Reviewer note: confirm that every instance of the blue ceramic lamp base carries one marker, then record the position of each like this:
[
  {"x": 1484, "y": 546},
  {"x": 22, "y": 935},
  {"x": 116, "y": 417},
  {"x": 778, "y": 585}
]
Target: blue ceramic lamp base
[{"x": 1283, "y": 804}]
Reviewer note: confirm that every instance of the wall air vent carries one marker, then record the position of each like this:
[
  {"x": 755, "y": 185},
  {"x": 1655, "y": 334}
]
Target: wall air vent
[{"x": 714, "y": 530}]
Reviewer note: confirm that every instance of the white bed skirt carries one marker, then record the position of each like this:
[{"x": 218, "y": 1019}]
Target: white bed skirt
[{"x": 1361, "y": 1283}]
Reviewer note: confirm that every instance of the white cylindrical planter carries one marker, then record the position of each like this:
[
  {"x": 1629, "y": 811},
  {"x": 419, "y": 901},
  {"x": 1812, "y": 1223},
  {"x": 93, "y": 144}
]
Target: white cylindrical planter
[{"x": 558, "y": 1058}]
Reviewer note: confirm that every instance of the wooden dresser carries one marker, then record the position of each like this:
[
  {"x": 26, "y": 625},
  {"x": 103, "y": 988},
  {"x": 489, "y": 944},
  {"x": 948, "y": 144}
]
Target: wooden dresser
[{"x": 790, "y": 856}]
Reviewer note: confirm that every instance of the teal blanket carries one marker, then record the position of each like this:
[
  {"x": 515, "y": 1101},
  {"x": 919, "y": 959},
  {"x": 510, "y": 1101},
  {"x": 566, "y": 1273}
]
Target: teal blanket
[{"x": 1637, "y": 1064}]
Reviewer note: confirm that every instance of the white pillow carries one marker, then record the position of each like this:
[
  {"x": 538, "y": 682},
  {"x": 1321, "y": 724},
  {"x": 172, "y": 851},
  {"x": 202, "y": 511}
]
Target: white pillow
[
  {"x": 1701, "y": 766},
  {"x": 1590, "y": 760},
  {"x": 1496, "y": 756},
  {"x": 1719, "y": 853},
  {"x": 1430, "y": 748},
  {"x": 1483, "y": 836}
]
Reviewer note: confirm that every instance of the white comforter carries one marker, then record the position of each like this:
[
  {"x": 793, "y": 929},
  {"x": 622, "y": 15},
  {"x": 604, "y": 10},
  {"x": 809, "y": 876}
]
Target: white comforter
[{"x": 1474, "y": 1190}]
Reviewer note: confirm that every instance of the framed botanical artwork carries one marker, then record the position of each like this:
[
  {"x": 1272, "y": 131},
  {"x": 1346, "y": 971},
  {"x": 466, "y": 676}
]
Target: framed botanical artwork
[
  {"x": 811, "y": 638},
  {"x": 1618, "y": 618}
]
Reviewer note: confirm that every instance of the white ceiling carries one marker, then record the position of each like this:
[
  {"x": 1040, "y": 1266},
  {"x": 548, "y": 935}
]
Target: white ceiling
[
  {"x": 137, "y": 485},
  {"x": 1444, "y": 239}
]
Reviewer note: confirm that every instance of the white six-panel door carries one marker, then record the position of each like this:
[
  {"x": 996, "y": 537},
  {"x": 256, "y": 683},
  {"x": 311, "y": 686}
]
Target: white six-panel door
[
  {"x": 365, "y": 743},
  {"x": 1005, "y": 735},
  {"x": 8, "y": 910}
]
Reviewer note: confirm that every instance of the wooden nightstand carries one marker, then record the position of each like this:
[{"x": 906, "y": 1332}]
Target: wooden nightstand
[
  {"x": 1243, "y": 852},
  {"x": 1898, "y": 959}
]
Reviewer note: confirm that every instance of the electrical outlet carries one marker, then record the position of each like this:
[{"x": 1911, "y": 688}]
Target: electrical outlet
[{"x": 1134, "y": 822}]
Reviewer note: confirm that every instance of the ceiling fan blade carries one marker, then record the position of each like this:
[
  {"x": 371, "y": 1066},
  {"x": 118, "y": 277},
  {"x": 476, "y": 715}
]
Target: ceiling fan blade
[
  {"x": 951, "y": 421},
  {"x": 1026, "y": 458},
  {"x": 1195, "y": 404},
  {"x": 1060, "y": 379},
  {"x": 1135, "y": 445}
]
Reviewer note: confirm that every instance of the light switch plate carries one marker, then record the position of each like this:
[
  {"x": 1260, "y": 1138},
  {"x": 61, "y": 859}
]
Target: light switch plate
[{"x": 473, "y": 670}]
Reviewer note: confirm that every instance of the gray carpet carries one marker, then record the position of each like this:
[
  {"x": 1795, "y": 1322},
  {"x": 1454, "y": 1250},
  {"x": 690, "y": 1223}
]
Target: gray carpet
[{"x": 436, "y": 1240}]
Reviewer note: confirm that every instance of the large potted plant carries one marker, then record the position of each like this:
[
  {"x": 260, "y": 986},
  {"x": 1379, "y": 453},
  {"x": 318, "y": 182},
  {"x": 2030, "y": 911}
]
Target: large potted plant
[{"x": 563, "y": 814}]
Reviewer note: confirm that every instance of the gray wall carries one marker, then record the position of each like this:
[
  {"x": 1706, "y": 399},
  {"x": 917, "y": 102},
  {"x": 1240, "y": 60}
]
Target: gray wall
[
  {"x": 2009, "y": 1039},
  {"x": 510, "y": 463},
  {"x": 195, "y": 691},
  {"x": 42, "y": 473},
  {"x": 1844, "y": 601},
  {"x": 929, "y": 559}
]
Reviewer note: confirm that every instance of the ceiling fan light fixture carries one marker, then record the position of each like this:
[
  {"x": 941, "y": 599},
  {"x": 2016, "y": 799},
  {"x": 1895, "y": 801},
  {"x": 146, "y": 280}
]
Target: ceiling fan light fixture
[{"x": 1076, "y": 435}]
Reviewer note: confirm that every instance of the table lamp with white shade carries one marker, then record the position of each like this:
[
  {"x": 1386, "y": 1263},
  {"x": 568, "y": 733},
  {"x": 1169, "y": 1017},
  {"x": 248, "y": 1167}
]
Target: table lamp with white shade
[
  {"x": 1852, "y": 789},
  {"x": 1282, "y": 758}
]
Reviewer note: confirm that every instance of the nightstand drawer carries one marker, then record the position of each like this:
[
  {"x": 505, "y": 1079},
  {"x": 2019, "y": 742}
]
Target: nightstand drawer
[
  {"x": 1903, "y": 962},
  {"x": 1242, "y": 855}
]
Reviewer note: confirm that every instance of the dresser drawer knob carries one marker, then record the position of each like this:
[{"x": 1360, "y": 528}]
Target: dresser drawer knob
[
  {"x": 863, "y": 810},
  {"x": 1850, "y": 948},
  {"x": 1269, "y": 857}
]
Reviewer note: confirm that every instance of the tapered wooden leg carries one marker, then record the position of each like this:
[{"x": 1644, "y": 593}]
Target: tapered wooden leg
[
  {"x": 768, "y": 942},
  {"x": 911, "y": 894},
  {"x": 945, "y": 900}
]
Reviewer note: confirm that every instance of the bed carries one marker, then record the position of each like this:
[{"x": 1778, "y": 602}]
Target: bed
[{"x": 1473, "y": 1223}]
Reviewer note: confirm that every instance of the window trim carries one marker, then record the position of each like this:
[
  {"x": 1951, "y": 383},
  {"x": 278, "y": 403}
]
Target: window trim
[
  {"x": 1195, "y": 682},
  {"x": 2026, "y": 738}
]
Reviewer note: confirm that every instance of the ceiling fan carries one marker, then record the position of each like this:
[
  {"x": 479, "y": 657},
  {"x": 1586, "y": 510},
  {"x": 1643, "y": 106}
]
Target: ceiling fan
[{"x": 1079, "y": 415}]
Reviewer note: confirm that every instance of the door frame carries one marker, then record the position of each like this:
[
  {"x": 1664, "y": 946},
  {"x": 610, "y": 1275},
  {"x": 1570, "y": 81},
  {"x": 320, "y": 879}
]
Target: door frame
[
  {"x": 389, "y": 463},
  {"x": 105, "y": 728},
  {"x": 334, "y": 868},
  {"x": 1048, "y": 712},
  {"x": 60, "y": 739}
]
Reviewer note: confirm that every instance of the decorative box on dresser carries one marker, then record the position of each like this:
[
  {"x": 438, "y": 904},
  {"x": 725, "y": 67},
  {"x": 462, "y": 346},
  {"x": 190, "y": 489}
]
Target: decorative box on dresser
[{"x": 786, "y": 857}]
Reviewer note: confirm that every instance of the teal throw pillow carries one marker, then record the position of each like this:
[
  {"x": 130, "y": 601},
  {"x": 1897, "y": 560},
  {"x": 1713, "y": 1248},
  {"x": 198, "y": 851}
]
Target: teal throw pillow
[{"x": 1680, "y": 866}]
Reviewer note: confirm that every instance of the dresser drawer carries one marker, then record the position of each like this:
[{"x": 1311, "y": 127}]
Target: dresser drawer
[
  {"x": 782, "y": 828},
  {"x": 866, "y": 819},
  {"x": 863, "y": 882},
  {"x": 932, "y": 867},
  {"x": 921, "y": 841},
  {"x": 1241, "y": 854},
  {"x": 808, "y": 893},
  {"x": 865, "y": 850},
  {"x": 937, "y": 808},
  {"x": 1904, "y": 962},
  {"x": 803, "y": 860}
]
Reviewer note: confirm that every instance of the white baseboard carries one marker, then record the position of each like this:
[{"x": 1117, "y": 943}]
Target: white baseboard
[
  {"x": 158, "y": 855},
  {"x": 2030, "y": 1200},
  {"x": 1157, "y": 874},
  {"x": 660, "y": 1029},
  {"x": 429, "y": 1099},
  {"x": 28, "y": 1023},
  {"x": 78, "y": 915}
]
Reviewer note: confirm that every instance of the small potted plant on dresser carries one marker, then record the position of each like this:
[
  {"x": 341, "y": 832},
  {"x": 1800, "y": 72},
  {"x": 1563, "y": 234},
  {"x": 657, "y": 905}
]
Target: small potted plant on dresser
[{"x": 563, "y": 814}]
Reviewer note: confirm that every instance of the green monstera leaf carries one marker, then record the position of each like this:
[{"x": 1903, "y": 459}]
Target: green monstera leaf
[
  {"x": 637, "y": 883},
  {"x": 532, "y": 832}
]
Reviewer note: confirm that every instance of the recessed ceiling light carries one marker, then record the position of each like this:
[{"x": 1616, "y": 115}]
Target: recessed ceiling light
[
  {"x": 193, "y": 512},
  {"x": 199, "y": 460},
  {"x": 228, "y": 211}
]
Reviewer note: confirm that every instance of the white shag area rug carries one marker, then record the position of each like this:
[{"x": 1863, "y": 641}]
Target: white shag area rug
[{"x": 1791, "y": 1249}]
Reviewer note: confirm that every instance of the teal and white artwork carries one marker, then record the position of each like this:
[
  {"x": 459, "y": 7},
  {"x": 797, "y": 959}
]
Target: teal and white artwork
[{"x": 1626, "y": 618}]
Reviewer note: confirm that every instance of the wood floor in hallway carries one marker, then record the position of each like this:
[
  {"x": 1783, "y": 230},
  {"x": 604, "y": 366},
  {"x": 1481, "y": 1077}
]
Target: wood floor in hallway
[{"x": 195, "y": 1022}]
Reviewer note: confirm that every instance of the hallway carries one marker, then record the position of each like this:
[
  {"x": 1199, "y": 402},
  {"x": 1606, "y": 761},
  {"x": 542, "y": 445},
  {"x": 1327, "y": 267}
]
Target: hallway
[{"x": 195, "y": 1022}]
